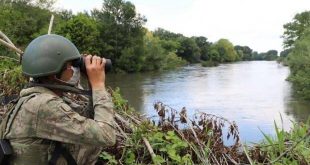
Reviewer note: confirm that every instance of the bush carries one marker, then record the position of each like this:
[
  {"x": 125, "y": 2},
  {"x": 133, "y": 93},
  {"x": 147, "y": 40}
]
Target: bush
[
  {"x": 299, "y": 62},
  {"x": 11, "y": 78}
]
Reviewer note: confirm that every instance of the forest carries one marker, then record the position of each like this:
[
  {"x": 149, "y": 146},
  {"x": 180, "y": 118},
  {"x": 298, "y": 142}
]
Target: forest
[{"x": 117, "y": 31}]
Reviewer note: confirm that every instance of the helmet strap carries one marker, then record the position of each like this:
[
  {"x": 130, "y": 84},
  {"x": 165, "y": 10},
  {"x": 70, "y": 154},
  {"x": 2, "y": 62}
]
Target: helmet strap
[{"x": 61, "y": 81}]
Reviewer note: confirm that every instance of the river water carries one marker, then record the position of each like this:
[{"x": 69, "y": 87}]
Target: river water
[{"x": 253, "y": 94}]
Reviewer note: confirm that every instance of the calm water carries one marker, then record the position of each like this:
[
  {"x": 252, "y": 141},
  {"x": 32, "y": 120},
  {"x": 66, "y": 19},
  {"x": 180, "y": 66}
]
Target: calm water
[{"x": 253, "y": 94}]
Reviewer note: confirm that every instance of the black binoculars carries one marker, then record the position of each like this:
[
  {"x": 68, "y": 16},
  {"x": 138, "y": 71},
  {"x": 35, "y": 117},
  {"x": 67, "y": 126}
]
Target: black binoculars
[{"x": 81, "y": 64}]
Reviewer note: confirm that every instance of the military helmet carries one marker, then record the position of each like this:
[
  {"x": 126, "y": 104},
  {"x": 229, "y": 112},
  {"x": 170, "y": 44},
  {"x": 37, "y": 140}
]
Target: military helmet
[{"x": 47, "y": 54}]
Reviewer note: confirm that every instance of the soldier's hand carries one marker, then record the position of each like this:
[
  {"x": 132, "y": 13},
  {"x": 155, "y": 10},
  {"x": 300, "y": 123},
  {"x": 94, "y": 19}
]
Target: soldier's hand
[{"x": 95, "y": 71}]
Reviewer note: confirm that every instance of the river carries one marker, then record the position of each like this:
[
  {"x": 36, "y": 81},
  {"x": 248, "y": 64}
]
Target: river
[{"x": 253, "y": 94}]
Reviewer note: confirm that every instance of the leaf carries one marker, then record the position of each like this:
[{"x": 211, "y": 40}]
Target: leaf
[
  {"x": 130, "y": 157},
  {"x": 173, "y": 155},
  {"x": 158, "y": 159},
  {"x": 270, "y": 141},
  {"x": 247, "y": 154},
  {"x": 106, "y": 156}
]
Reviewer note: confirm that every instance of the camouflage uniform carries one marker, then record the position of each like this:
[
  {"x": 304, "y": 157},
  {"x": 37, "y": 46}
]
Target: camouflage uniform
[{"x": 44, "y": 117}]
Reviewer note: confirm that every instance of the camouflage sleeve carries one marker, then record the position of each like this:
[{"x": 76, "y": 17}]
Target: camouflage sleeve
[{"x": 57, "y": 121}]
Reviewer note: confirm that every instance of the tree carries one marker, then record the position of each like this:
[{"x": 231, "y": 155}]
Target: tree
[
  {"x": 271, "y": 55},
  {"x": 170, "y": 45},
  {"x": 167, "y": 35},
  {"x": 244, "y": 52},
  {"x": 285, "y": 53},
  {"x": 299, "y": 63},
  {"x": 22, "y": 21},
  {"x": 121, "y": 33},
  {"x": 226, "y": 51},
  {"x": 82, "y": 30},
  {"x": 189, "y": 50},
  {"x": 204, "y": 47},
  {"x": 296, "y": 29},
  {"x": 214, "y": 54},
  {"x": 43, "y": 4},
  {"x": 154, "y": 54}
]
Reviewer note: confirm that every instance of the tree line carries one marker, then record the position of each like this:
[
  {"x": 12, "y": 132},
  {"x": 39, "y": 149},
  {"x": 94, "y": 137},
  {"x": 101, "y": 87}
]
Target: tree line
[
  {"x": 117, "y": 31},
  {"x": 297, "y": 53}
]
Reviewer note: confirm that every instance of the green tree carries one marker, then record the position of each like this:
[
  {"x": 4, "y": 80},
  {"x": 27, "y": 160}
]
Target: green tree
[
  {"x": 204, "y": 47},
  {"x": 22, "y": 21},
  {"x": 154, "y": 54},
  {"x": 156, "y": 57},
  {"x": 214, "y": 54},
  {"x": 257, "y": 56},
  {"x": 296, "y": 29},
  {"x": 244, "y": 52},
  {"x": 285, "y": 53},
  {"x": 121, "y": 33},
  {"x": 299, "y": 62},
  {"x": 169, "y": 41},
  {"x": 167, "y": 35},
  {"x": 82, "y": 30},
  {"x": 271, "y": 55},
  {"x": 189, "y": 50},
  {"x": 226, "y": 51},
  {"x": 170, "y": 45}
]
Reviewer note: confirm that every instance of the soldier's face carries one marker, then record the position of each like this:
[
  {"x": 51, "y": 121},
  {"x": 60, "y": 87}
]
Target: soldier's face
[{"x": 67, "y": 73}]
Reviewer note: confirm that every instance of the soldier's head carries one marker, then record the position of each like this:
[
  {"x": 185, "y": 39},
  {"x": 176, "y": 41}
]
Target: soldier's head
[{"x": 49, "y": 57}]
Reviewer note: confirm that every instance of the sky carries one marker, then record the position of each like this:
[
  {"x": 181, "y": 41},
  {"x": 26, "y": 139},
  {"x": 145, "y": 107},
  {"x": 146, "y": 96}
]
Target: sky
[{"x": 254, "y": 23}]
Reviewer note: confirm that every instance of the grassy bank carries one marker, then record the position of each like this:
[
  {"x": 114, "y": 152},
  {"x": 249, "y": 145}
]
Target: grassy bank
[{"x": 173, "y": 138}]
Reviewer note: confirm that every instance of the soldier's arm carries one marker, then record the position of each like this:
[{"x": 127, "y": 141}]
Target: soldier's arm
[{"x": 57, "y": 121}]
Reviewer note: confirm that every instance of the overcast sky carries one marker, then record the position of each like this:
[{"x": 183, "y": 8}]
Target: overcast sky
[{"x": 255, "y": 23}]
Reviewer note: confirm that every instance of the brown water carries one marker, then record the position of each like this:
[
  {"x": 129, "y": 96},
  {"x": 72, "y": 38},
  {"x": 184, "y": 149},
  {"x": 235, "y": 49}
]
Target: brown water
[{"x": 254, "y": 94}]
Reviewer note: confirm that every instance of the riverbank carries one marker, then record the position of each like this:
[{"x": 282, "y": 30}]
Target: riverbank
[{"x": 173, "y": 138}]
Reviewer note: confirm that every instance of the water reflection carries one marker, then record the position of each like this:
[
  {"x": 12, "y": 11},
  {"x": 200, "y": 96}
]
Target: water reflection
[{"x": 253, "y": 94}]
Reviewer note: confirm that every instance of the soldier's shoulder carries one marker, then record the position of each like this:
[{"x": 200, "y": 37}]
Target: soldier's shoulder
[
  {"x": 47, "y": 98},
  {"x": 42, "y": 100},
  {"x": 40, "y": 94}
]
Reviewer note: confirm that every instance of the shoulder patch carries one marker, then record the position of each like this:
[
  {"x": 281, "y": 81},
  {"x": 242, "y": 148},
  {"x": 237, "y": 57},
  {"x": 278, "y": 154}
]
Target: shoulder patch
[{"x": 65, "y": 107}]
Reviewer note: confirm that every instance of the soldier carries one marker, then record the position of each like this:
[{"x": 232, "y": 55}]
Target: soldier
[{"x": 43, "y": 128}]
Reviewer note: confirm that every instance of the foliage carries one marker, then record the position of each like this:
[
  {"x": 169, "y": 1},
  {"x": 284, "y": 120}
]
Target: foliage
[
  {"x": 22, "y": 21},
  {"x": 11, "y": 79},
  {"x": 121, "y": 33},
  {"x": 269, "y": 55},
  {"x": 115, "y": 31},
  {"x": 285, "y": 148},
  {"x": 154, "y": 54},
  {"x": 296, "y": 29},
  {"x": 167, "y": 35},
  {"x": 82, "y": 31},
  {"x": 299, "y": 62},
  {"x": 244, "y": 52},
  {"x": 226, "y": 51},
  {"x": 189, "y": 50},
  {"x": 204, "y": 47},
  {"x": 285, "y": 53},
  {"x": 173, "y": 61}
]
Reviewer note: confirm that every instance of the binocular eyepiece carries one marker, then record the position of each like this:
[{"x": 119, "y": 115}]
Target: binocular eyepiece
[{"x": 81, "y": 64}]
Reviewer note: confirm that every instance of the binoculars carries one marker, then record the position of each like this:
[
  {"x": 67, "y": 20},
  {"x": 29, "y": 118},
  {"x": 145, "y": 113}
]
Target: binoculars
[{"x": 81, "y": 64}]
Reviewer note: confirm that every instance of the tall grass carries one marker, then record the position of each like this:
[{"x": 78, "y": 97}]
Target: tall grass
[{"x": 285, "y": 148}]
